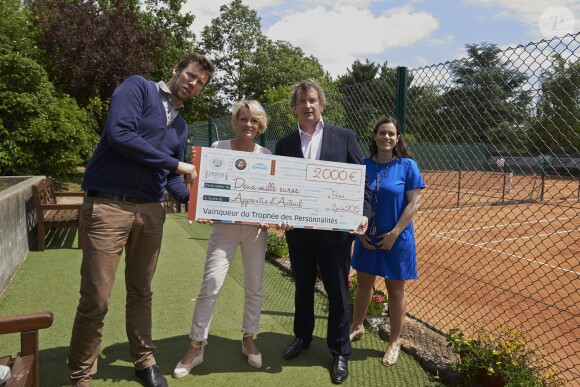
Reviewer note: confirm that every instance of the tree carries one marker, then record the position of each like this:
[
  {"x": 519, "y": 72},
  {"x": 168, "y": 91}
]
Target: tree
[
  {"x": 166, "y": 16},
  {"x": 557, "y": 128},
  {"x": 279, "y": 64},
  {"x": 248, "y": 64},
  {"x": 41, "y": 132},
  {"x": 179, "y": 40},
  {"x": 208, "y": 103},
  {"x": 486, "y": 95},
  {"x": 281, "y": 118},
  {"x": 231, "y": 41},
  {"x": 368, "y": 94},
  {"x": 15, "y": 29},
  {"x": 422, "y": 120},
  {"x": 92, "y": 46}
]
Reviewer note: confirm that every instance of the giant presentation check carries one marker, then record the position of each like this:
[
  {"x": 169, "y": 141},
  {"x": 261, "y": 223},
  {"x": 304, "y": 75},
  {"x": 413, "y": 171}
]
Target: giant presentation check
[{"x": 248, "y": 187}]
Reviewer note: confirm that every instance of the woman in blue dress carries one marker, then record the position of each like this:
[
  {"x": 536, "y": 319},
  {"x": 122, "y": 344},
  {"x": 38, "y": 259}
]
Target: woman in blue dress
[{"x": 388, "y": 247}]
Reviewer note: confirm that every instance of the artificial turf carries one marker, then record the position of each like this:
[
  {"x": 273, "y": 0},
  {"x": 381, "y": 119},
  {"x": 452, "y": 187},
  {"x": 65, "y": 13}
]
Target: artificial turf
[{"x": 49, "y": 280}]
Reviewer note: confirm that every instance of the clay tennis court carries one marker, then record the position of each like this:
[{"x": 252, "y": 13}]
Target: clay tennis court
[{"x": 494, "y": 257}]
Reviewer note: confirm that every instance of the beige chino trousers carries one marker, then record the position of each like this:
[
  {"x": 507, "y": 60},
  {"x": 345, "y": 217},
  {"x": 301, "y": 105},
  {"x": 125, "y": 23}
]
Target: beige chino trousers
[
  {"x": 108, "y": 228},
  {"x": 224, "y": 241}
]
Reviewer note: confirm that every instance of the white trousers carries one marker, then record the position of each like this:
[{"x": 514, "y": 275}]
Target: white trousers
[{"x": 223, "y": 243}]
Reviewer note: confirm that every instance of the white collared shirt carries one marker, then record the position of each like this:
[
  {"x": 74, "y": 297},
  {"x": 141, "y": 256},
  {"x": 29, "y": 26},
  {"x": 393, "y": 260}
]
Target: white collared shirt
[{"x": 311, "y": 143}]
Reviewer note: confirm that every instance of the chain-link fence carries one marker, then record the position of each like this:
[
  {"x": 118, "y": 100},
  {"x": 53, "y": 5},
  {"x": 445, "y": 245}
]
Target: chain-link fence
[{"x": 497, "y": 138}]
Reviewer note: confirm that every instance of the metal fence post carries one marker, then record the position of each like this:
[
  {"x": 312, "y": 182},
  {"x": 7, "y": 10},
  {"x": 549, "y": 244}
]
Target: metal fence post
[
  {"x": 543, "y": 185},
  {"x": 504, "y": 181},
  {"x": 209, "y": 133},
  {"x": 402, "y": 77},
  {"x": 459, "y": 185},
  {"x": 262, "y": 138}
]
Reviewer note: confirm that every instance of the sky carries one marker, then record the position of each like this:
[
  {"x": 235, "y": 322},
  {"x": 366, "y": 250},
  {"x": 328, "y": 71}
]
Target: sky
[{"x": 412, "y": 33}]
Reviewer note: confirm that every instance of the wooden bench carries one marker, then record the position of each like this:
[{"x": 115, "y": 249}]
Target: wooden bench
[
  {"x": 24, "y": 368},
  {"x": 52, "y": 212}
]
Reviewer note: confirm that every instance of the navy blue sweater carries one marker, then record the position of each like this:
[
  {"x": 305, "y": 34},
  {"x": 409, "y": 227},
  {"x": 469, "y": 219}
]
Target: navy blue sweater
[{"x": 132, "y": 157}]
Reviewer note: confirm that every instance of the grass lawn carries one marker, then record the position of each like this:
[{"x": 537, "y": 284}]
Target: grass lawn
[{"x": 49, "y": 280}]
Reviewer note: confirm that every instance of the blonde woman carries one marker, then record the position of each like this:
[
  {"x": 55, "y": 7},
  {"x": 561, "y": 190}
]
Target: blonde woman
[{"x": 249, "y": 120}]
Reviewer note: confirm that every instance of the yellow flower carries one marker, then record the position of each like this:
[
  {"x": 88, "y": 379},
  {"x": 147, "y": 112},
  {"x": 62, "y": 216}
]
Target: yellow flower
[{"x": 503, "y": 352}]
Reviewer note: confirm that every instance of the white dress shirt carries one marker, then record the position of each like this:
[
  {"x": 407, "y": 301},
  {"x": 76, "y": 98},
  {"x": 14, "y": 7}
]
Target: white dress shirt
[{"x": 311, "y": 143}]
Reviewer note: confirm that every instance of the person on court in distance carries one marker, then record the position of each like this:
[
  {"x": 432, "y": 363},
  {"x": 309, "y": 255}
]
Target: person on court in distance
[
  {"x": 388, "y": 247},
  {"x": 249, "y": 120}
]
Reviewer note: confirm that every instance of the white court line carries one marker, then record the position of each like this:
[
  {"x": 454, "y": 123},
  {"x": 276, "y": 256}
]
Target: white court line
[
  {"x": 447, "y": 209},
  {"x": 526, "y": 237},
  {"x": 513, "y": 255},
  {"x": 441, "y": 235},
  {"x": 497, "y": 225}
]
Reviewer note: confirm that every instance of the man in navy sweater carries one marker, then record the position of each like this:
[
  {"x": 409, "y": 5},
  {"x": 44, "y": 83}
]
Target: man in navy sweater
[{"x": 136, "y": 160}]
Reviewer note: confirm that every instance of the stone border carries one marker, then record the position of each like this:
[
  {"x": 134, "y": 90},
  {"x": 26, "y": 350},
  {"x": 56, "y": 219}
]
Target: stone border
[{"x": 17, "y": 222}]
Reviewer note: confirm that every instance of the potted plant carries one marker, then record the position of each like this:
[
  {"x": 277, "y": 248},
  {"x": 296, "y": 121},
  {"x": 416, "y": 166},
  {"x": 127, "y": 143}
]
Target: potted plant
[
  {"x": 500, "y": 358},
  {"x": 277, "y": 244},
  {"x": 377, "y": 304}
]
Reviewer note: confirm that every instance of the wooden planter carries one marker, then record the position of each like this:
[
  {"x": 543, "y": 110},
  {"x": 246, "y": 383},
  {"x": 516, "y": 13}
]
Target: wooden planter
[
  {"x": 482, "y": 378},
  {"x": 486, "y": 380}
]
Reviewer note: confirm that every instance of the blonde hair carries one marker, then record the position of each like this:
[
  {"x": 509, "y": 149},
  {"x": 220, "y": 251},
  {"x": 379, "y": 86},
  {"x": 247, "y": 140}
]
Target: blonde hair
[{"x": 256, "y": 109}]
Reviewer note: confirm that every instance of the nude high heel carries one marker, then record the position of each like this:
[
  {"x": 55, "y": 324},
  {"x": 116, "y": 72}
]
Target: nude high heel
[
  {"x": 253, "y": 360},
  {"x": 182, "y": 369}
]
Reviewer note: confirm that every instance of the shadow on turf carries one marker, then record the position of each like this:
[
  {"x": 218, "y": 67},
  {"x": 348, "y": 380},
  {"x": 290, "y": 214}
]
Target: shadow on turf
[
  {"x": 222, "y": 356},
  {"x": 60, "y": 238}
]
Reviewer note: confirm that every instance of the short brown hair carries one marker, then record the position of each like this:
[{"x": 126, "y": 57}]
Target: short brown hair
[
  {"x": 203, "y": 61},
  {"x": 304, "y": 86}
]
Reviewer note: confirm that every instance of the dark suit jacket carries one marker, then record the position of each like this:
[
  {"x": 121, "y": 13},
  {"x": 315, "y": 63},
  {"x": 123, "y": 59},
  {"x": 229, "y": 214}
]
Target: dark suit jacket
[{"x": 339, "y": 145}]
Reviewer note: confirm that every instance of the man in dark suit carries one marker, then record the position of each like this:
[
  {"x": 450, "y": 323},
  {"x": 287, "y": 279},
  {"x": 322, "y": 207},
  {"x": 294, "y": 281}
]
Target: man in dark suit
[{"x": 313, "y": 250}]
